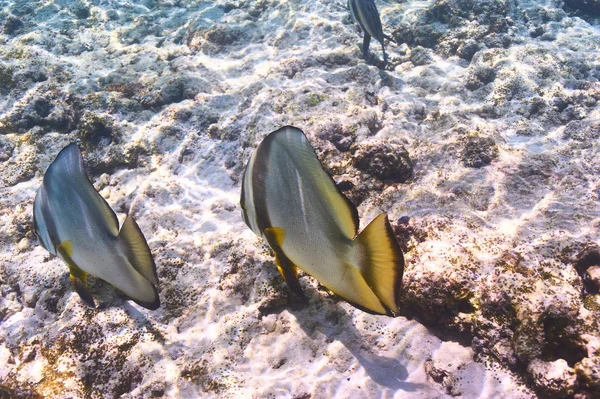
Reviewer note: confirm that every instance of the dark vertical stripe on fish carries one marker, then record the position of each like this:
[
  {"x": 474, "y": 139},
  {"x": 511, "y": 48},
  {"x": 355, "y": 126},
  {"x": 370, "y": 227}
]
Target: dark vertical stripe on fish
[{"x": 260, "y": 168}]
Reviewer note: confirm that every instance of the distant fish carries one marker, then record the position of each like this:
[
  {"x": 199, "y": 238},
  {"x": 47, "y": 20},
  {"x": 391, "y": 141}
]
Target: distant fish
[
  {"x": 364, "y": 13},
  {"x": 74, "y": 222},
  {"x": 292, "y": 203}
]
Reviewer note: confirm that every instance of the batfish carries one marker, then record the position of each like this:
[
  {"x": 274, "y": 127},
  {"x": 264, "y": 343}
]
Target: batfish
[
  {"x": 75, "y": 223},
  {"x": 292, "y": 203},
  {"x": 364, "y": 13}
]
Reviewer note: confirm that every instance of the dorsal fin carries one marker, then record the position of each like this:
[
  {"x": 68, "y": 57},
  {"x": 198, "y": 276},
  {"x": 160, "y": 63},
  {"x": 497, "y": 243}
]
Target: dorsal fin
[
  {"x": 293, "y": 141},
  {"x": 69, "y": 159},
  {"x": 69, "y": 165}
]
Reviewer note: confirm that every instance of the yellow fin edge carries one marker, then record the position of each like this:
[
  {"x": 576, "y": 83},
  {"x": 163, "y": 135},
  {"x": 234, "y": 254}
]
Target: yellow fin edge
[
  {"x": 384, "y": 263},
  {"x": 289, "y": 271}
]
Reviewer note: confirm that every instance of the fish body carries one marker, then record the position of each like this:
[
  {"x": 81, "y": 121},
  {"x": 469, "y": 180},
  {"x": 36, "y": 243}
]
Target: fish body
[
  {"x": 291, "y": 202},
  {"x": 74, "y": 222},
  {"x": 364, "y": 13}
]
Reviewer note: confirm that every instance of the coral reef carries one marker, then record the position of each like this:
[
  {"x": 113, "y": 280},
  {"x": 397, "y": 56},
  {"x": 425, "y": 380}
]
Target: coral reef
[{"x": 480, "y": 141}]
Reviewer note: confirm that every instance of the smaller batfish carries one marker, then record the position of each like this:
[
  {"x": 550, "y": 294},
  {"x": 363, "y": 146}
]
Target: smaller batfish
[
  {"x": 364, "y": 13},
  {"x": 292, "y": 203},
  {"x": 75, "y": 223}
]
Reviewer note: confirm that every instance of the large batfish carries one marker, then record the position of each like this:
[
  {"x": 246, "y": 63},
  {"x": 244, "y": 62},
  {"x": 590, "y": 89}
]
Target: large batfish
[
  {"x": 291, "y": 202},
  {"x": 75, "y": 223}
]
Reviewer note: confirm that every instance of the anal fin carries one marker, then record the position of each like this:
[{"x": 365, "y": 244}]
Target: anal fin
[
  {"x": 289, "y": 271},
  {"x": 78, "y": 276}
]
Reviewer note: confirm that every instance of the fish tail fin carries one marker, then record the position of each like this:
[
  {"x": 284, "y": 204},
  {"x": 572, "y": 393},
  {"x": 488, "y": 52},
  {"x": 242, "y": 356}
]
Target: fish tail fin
[
  {"x": 137, "y": 251},
  {"x": 382, "y": 263},
  {"x": 78, "y": 276},
  {"x": 136, "y": 287},
  {"x": 139, "y": 284},
  {"x": 152, "y": 304}
]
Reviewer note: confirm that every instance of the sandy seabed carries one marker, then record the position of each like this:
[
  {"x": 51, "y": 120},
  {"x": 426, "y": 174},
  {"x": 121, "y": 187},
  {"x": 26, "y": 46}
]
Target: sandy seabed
[{"x": 480, "y": 139}]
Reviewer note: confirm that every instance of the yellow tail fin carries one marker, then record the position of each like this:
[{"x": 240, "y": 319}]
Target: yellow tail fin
[
  {"x": 136, "y": 248},
  {"x": 383, "y": 263}
]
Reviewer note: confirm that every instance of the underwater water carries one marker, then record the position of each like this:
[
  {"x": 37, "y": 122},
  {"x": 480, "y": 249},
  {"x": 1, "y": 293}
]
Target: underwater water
[{"x": 480, "y": 138}]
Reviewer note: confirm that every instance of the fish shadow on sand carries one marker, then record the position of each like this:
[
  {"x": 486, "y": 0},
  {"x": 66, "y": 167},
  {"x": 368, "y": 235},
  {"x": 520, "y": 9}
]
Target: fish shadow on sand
[
  {"x": 134, "y": 313},
  {"x": 384, "y": 371},
  {"x": 108, "y": 297}
]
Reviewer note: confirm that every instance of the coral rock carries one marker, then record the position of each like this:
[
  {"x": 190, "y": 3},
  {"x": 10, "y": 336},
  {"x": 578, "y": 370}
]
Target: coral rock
[
  {"x": 11, "y": 25},
  {"x": 592, "y": 278},
  {"x": 555, "y": 379},
  {"x": 592, "y": 6},
  {"x": 384, "y": 160},
  {"x": 479, "y": 151},
  {"x": 588, "y": 371}
]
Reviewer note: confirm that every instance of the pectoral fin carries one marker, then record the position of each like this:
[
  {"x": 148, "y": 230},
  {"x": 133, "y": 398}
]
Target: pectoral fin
[
  {"x": 78, "y": 276},
  {"x": 289, "y": 271}
]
